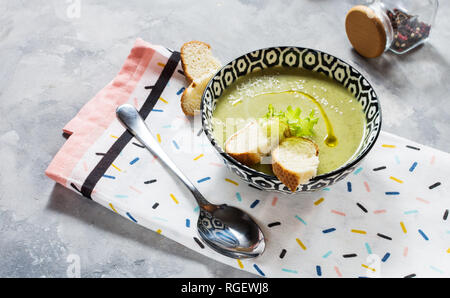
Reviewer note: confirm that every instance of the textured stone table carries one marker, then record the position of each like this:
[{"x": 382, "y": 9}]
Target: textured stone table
[{"x": 55, "y": 57}]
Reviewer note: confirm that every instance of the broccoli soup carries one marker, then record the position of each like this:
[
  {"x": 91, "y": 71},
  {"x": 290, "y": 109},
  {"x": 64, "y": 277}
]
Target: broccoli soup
[{"x": 318, "y": 108}]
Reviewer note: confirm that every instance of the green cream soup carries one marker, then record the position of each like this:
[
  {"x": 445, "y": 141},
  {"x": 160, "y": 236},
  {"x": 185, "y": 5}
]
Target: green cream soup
[{"x": 340, "y": 115}]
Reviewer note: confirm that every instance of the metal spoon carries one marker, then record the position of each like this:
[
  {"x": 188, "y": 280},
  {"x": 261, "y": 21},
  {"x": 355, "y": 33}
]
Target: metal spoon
[{"x": 226, "y": 229}]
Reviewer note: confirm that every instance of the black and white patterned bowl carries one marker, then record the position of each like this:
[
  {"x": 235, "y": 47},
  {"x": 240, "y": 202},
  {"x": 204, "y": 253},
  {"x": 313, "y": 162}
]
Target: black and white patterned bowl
[{"x": 309, "y": 59}]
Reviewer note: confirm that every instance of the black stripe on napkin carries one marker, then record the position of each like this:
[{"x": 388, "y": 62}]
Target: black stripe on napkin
[{"x": 106, "y": 161}]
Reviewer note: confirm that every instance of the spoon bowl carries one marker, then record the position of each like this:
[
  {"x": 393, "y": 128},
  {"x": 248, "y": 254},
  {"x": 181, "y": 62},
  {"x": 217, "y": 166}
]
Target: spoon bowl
[{"x": 230, "y": 231}]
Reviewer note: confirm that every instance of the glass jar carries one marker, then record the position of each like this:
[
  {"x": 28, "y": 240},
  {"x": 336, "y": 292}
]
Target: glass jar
[{"x": 396, "y": 25}]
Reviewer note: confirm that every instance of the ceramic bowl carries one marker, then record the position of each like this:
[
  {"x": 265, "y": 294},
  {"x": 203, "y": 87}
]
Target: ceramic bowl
[{"x": 296, "y": 57}]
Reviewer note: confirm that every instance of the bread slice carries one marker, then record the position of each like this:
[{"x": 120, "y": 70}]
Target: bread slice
[
  {"x": 197, "y": 60},
  {"x": 295, "y": 161},
  {"x": 275, "y": 132},
  {"x": 192, "y": 95},
  {"x": 257, "y": 139},
  {"x": 243, "y": 145}
]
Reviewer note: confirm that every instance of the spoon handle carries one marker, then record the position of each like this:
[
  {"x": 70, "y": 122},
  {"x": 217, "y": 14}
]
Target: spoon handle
[{"x": 132, "y": 120}]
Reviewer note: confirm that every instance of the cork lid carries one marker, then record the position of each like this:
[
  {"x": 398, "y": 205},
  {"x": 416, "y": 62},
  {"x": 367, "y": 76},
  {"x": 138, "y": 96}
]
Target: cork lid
[{"x": 365, "y": 31}]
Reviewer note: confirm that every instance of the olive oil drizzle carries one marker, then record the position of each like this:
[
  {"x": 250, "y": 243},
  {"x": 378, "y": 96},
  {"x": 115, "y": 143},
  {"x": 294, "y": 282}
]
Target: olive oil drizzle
[{"x": 331, "y": 139}]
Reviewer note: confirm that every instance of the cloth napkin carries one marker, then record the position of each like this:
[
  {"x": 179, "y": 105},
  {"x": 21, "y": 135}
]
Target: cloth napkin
[{"x": 387, "y": 219}]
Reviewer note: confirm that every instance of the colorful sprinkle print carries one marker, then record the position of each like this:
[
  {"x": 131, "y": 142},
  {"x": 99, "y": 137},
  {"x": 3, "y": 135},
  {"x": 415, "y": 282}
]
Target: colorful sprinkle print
[
  {"x": 385, "y": 257},
  {"x": 300, "y": 219},
  {"x": 392, "y": 193},
  {"x": 361, "y": 207},
  {"x": 366, "y": 185},
  {"x": 357, "y": 171},
  {"x": 396, "y": 179},
  {"x": 328, "y": 230},
  {"x": 379, "y": 168},
  {"x": 368, "y": 248},
  {"x": 403, "y": 227},
  {"x": 327, "y": 254},
  {"x": 318, "y": 201},
  {"x": 253, "y": 205},
  {"x": 274, "y": 224},
  {"x": 412, "y": 147},
  {"x": 112, "y": 208},
  {"x": 134, "y": 161},
  {"x": 367, "y": 267},
  {"x": 180, "y": 91},
  {"x": 338, "y": 272},
  {"x": 300, "y": 243},
  {"x": 231, "y": 181},
  {"x": 198, "y": 157},
  {"x": 423, "y": 235},
  {"x": 203, "y": 179},
  {"x": 359, "y": 231},
  {"x": 138, "y": 145},
  {"x": 319, "y": 271},
  {"x": 434, "y": 185},
  {"x": 259, "y": 270},
  {"x": 422, "y": 200},
  {"x": 115, "y": 167},
  {"x": 384, "y": 236},
  {"x": 338, "y": 212},
  {"x": 289, "y": 270},
  {"x": 394, "y": 205},
  {"x": 274, "y": 201},
  {"x": 131, "y": 217},
  {"x": 199, "y": 243},
  {"x": 174, "y": 198}
]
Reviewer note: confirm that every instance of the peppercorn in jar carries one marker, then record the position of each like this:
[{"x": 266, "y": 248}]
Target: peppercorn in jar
[{"x": 396, "y": 25}]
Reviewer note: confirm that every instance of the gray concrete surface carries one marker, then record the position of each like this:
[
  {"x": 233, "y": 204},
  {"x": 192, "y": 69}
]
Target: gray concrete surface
[{"x": 55, "y": 58}]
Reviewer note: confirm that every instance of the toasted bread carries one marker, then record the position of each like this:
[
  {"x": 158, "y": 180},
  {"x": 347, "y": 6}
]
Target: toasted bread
[
  {"x": 197, "y": 60},
  {"x": 192, "y": 96},
  {"x": 275, "y": 132},
  {"x": 243, "y": 145},
  {"x": 295, "y": 161}
]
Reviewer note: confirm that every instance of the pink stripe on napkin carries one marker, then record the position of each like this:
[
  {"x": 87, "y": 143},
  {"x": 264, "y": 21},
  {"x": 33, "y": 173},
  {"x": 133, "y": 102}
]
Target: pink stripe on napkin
[{"x": 91, "y": 121}]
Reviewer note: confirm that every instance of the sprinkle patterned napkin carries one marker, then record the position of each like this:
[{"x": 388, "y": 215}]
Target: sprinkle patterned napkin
[{"x": 387, "y": 219}]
